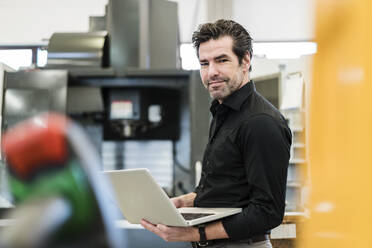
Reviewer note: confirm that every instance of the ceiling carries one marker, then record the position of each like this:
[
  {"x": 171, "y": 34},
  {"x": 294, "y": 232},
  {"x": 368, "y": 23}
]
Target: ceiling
[{"x": 29, "y": 22}]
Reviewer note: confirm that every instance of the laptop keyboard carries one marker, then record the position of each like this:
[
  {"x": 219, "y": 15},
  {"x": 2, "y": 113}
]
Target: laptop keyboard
[{"x": 193, "y": 216}]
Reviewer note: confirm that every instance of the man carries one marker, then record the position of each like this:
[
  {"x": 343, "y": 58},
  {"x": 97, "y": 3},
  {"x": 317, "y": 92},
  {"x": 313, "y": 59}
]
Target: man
[{"x": 246, "y": 159}]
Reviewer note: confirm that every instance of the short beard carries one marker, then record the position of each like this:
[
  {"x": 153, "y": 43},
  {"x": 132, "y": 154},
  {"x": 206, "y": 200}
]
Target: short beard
[
  {"x": 220, "y": 95},
  {"x": 227, "y": 90}
]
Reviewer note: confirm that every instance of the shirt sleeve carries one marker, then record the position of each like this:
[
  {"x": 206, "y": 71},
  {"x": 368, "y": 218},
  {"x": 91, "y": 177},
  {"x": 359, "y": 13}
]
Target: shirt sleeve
[{"x": 265, "y": 146}]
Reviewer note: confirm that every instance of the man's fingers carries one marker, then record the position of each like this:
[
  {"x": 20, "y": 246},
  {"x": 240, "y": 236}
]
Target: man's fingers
[
  {"x": 177, "y": 202},
  {"x": 161, "y": 227},
  {"x": 147, "y": 225},
  {"x": 153, "y": 228},
  {"x": 168, "y": 233}
]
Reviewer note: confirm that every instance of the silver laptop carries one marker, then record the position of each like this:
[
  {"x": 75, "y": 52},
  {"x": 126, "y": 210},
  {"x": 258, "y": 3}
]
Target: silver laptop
[{"x": 139, "y": 197}]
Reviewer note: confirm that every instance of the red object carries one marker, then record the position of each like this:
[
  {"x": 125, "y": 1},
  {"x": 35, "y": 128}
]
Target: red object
[{"x": 36, "y": 143}]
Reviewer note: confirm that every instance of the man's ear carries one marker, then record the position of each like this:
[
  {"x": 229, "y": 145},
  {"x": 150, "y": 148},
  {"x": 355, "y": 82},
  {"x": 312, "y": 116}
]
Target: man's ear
[{"x": 246, "y": 62}]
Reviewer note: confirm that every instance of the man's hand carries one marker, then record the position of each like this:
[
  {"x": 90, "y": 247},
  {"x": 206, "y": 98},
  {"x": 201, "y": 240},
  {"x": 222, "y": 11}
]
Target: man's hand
[
  {"x": 186, "y": 200},
  {"x": 171, "y": 234},
  {"x": 177, "y": 201},
  {"x": 214, "y": 230}
]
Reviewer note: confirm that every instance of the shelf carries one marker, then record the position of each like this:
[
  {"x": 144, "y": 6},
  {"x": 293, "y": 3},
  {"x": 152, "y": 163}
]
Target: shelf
[
  {"x": 297, "y": 161},
  {"x": 294, "y": 184},
  {"x": 284, "y": 231},
  {"x": 297, "y": 173},
  {"x": 296, "y": 129},
  {"x": 298, "y": 145},
  {"x": 292, "y": 216}
]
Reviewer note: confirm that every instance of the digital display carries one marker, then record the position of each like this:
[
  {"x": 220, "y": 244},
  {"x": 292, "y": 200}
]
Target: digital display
[
  {"x": 121, "y": 109},
  {"x": 124, "y": 104}
]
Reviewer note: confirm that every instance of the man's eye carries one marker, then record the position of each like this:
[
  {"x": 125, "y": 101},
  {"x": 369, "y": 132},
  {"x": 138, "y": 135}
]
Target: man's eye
[
  {"x": 203, "y": 64},
  {"x": 222, "y": 60}
]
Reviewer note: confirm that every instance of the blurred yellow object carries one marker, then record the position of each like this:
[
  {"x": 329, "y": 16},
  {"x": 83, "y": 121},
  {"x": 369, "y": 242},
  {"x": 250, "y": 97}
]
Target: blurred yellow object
[{"x": 340, "y": 133}]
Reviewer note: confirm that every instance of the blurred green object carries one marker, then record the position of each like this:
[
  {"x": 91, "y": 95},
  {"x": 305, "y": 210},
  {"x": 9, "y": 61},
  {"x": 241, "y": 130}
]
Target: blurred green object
[
  {"x": 70, "y": 183},
  {"x": 60, "y": 197}
]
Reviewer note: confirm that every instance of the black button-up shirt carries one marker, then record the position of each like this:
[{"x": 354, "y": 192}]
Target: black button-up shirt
[{"x": 245, "y": 163}]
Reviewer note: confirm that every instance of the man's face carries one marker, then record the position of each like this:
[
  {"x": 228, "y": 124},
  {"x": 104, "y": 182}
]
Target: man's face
[{"x": 220, "y": 70}]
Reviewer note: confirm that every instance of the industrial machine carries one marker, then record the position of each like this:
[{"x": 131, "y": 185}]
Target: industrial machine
[
  {"x": 124, "y": 87},
  {"x": 139, "y": 109},
  {"x": 152, "y": 119}
]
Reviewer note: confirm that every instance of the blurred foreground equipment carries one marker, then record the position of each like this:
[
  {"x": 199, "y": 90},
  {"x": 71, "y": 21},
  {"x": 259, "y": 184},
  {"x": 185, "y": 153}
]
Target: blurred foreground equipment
[
  {"x": 60, "y": 197},
  {"x": 340, "y": 127}
]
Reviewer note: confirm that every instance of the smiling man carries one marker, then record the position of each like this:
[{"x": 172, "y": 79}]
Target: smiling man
[
  {"x": 221, "y": 71},
  {"x": 246, "y": 159}
]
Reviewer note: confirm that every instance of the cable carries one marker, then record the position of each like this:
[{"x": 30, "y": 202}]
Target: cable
[{"x": 175, "y": 160}]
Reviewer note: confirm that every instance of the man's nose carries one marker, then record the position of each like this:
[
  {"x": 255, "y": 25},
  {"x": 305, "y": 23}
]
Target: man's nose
[{"x": 212, "y": 70}]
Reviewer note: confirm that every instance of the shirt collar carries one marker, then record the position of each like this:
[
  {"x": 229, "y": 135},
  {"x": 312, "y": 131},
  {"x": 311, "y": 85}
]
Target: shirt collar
[{"x": 236, "y": 99}]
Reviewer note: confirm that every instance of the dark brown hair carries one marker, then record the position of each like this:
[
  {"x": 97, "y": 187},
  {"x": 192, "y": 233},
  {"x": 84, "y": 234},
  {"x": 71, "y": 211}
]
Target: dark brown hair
[{"x": 242, "y": 41}]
